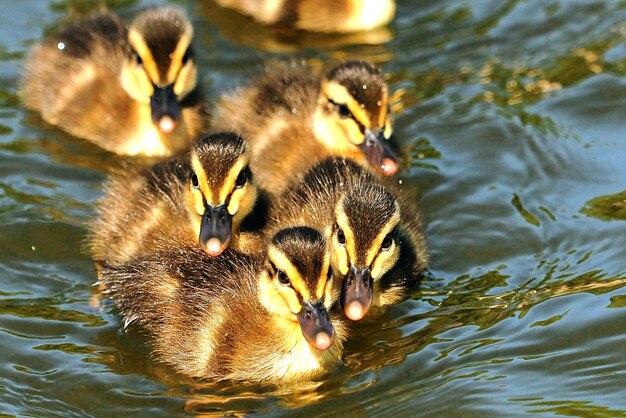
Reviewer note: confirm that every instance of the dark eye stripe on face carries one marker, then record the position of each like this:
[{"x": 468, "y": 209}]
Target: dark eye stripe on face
[{"x": 351, "y": 116}]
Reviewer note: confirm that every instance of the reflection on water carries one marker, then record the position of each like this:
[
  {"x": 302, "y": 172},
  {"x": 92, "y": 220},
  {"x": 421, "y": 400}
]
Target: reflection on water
[
  {"x": 510, "y": 121},
  {"x": 244, "y": 30}
]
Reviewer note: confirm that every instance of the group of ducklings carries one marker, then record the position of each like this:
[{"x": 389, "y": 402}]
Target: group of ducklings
[{"x": 243, "y": 255}]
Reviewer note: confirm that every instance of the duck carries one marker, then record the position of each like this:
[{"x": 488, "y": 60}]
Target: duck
[
  {"x": 374, "y": 231},
  {"x": 331, "y": 16},
  {"x": 293, "y": 118},
  {"x": 132, "y": 89},
  {"x": 237, "y": 317},
  {"x": 200, "y": 199}
]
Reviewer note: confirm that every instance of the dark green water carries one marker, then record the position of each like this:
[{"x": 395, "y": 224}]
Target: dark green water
[{"x": 513, "y": 132}]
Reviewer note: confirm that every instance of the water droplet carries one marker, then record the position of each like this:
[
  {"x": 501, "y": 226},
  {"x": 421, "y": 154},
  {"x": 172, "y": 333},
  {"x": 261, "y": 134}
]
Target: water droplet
[
  {"x": 364, "y": 86},
  {"x": 61, "y": 46}
]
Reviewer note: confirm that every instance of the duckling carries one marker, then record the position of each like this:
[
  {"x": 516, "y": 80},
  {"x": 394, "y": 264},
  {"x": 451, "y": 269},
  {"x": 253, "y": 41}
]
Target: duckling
[
  {"x": 201, "y": 199},
  {"x": 237, "y": 316},
  {"x": 374, "y": 232},
  {"x": 318, "y": 15},
  {"x": 293, "y": 119},
  {"x": 130, "y": 90}
]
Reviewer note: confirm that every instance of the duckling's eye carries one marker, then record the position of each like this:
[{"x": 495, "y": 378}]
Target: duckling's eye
[
  {"x": 341, "y": 237},
  {"x": 138, "y": 59},
  {"x": 194, "y": 180},
  {"x": 282, "y": 278},
  {"x": 343, "y": 110},
  {"x": 242, "y": 177},
  {"x": 188, "y": 55},
  {"x": 388, "y": 240},
  {"x": 329, "y": 276}
]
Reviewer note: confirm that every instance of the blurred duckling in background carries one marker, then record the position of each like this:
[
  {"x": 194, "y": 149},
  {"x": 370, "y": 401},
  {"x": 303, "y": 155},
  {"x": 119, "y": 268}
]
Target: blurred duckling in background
[
  {"x": 237, "y": 316},
  {"x": 374, "y": 233},
  {"x": 129, "y": 89},
  {"x": 317, "y": 15},
  {"x": 294, "y": 119},
  {"x": 202, "y": 199}
]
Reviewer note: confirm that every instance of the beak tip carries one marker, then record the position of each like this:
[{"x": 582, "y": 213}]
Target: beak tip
[
  {"x": 389, "y": 167},
  {"x": 323, "y": 341},
  {"x": 167, "y": 124},
  {"x": 355, "y": 311},
  {"x": 214, "y": 247}
]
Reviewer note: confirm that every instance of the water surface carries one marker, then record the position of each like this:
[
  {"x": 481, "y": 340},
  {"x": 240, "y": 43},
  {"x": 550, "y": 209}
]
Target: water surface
[{"x": 510, "y": 119}]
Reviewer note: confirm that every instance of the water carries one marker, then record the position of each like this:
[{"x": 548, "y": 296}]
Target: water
[{"x": 512, "y": 131}]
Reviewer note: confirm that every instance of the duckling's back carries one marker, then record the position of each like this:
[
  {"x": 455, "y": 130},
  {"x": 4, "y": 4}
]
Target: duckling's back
[
  {"x": 140, "y": 211},
  {"x": 71, "y": 77},
  {"x": 312, "y": 198},
  {"x": 275, "y": 116},
  {"x": 284, "y": 94}
]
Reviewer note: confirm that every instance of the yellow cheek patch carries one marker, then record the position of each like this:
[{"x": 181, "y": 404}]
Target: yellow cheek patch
[
  {"x": 235, "y": 200},
  {"x": 376, "y": 244},
  {"x": 136, "y": 83},
  {"x": 177, "y": 56},
  {"x": 186, "y": 80},
  {"x": 385, "y": 261},
  {"x": 229, "y": 183},
  {"x": 331, "y": 293},
  {"x": 351, "y": 131},
  {"x": 382, "y": 116},
  {"x": 241, "y": 203},
  {"x": 388, "y": 128},
  {"x": 320, "y": 287},
  {"x": 344, "y": 224},
  {"x": 282, "y": 262},
  {"x": 139, "y": 44},
  {"x": 205, "y": 188},
  {"x": 340, "y": 258},
  {"x": 272, "y": 299},
  {"x": 195, "y": 201}
]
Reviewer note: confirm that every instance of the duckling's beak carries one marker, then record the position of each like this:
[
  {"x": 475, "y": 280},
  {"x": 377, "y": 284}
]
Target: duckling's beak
[
  {"x": 315, "y": 325},
  {"x": 378, "y": 152},
  {"x": 356, "y": 293},
  {"x": 165, "y": 108},
  {"x": 215, "y": 229}
]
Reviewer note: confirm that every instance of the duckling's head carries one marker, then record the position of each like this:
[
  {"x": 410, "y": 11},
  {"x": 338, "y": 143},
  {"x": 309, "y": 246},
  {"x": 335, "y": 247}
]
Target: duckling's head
[
  {"x": 220, "y": 192},
  {"x": 296, "y": 284},
  {"x": 352, "y": 114},
  {"x": 160, "y": 68},
  {"x": 364, "y": 243}
]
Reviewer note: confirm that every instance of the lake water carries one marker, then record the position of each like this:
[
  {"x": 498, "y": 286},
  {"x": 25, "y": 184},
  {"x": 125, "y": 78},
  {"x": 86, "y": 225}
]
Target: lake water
[{"x": 512, "y": 127}]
